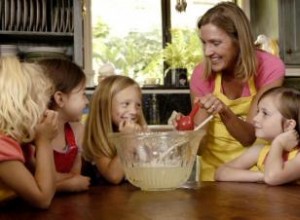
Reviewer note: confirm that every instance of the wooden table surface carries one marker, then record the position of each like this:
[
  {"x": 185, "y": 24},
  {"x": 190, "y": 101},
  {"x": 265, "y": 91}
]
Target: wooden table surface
[{"x": 206, "y": 200}]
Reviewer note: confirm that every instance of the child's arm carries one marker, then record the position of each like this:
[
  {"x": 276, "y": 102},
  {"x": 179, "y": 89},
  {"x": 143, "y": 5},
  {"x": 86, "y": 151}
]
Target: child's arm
[
  {"x": 78, "y": 129},
  {"x": 278, "y": 171},
  {"x": 110, "y": 168},
  {"x": 37, "y": 189},
  {"x": 74, "y": 181},
  {"x": 76, "y": 169},
  {"x": 239, "y": 169}
]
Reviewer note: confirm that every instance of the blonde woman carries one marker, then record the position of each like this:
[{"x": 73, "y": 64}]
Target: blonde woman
[
  {"x": 228, "y": 83},
  {"x": 116, "y": 105},
  {"x": 25, "y": 93}
]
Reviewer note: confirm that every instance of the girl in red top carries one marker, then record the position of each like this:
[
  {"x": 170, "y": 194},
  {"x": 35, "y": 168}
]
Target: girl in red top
[{"x": 68, "y": 100}]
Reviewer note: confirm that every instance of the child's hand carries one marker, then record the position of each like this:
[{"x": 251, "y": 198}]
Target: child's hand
[
  {"x": 129, "y": 126},
  {"x": 175, "y": 116},
  {"x": 287, "y": 140},
  {"x": 78, "y": 183},
  {"x": 47, "y": 128}
]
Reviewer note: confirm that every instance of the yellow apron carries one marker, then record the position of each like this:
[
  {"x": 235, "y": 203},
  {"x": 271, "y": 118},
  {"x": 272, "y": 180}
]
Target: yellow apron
[
  {"x": 220, "y": 146},
  {"x": 6, "y": 193},
  {"x": 264, "y": 152}
]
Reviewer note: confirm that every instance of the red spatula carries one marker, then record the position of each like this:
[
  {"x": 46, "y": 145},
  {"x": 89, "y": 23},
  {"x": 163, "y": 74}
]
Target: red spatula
[{"x": 187, "y": 122}]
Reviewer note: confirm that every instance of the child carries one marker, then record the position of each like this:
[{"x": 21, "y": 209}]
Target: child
[
  {"x": 25, "y": 92},
  {"x": 277, "y": 121},
  {"x": 115, "y": 106},
  {"x": 68, "y": 100}
]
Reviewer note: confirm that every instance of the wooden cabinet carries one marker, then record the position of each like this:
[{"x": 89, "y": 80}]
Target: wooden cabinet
[
  {"x": 280, "y": 20},
  {"x": 289, "y": 31},
  {"x": 43, "y": 23}
]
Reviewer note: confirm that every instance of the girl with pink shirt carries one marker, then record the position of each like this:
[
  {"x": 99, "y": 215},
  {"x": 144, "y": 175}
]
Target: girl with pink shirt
[{"x": 24, "y": 122}]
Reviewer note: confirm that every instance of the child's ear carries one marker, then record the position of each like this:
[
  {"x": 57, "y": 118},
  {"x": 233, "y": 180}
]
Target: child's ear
[
  {"x": 58, "y": 98},
  {"x": 289, "y": 124}
]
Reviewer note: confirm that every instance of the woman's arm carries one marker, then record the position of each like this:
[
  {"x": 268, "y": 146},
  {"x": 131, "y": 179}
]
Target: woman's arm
[
  {"x": 239, "y": 168},
  {"x": 278, "y": 171},
  {"x": 242, "y": 130}
]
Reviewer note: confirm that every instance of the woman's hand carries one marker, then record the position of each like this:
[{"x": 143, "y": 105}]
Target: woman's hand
[{"x": 211, "y": 103}]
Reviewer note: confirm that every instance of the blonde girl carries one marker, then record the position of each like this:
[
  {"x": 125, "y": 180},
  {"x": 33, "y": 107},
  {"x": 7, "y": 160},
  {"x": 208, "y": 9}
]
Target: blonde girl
[
  {"x": 25, "y": 93},
  {"x": 115, "y": 106}
]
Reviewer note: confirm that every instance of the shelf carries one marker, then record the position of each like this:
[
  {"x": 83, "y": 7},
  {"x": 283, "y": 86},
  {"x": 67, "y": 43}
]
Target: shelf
[
  {"x": 161, "y": 90},
  {"x": 9, "y": 37}
]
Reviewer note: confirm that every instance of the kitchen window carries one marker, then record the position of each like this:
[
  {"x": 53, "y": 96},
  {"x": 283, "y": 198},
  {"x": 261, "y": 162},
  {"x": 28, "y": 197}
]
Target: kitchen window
[{"x": 130, "y": 35}]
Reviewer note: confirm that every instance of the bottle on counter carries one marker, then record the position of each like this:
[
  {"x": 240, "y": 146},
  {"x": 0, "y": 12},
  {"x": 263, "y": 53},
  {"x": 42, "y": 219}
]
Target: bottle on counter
[{"x": 154, "y": 111}]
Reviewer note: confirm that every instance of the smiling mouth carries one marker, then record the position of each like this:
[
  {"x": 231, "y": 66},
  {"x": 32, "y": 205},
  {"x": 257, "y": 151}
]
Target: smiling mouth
[{"x": 130, "y": 119}]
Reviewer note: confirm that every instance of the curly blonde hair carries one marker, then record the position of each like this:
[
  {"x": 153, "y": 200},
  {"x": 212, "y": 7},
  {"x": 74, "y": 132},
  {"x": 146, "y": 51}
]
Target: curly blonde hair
[
  {"x": 25, "y": 93},
  {"x": 99, "y": 122}
]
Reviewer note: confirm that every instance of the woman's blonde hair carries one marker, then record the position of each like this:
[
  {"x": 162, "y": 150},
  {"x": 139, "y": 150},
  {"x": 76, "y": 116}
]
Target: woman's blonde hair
[
  {"x": 99, "y": 122},
  {"x": 25, "y": 93},
  {"x": 231, "y": 19}
]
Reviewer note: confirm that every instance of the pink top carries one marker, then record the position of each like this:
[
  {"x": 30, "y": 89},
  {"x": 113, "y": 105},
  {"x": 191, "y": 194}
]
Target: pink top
[
  {"x": 270, "y": 68},
  {"x": 64, "y": 161},
  {"x": 10, "y": 149}
]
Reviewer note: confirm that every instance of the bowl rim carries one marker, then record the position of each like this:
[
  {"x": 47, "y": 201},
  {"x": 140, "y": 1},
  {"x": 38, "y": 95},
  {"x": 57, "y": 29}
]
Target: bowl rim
[{"x": 189, "y": 133}]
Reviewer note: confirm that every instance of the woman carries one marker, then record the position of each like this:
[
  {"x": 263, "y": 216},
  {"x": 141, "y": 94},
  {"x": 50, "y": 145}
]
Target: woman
[{"x": 228, "y": 83}]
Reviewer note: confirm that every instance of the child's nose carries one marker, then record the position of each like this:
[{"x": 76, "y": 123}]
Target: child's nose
[
  {"x": 133, "y": 109},
  {"x": 86, "y": 100},
  {"x": 256, "y": 117}
]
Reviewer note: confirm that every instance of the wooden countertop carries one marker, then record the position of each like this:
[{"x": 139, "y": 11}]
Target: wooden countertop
[{"x": 206, "y": 200}]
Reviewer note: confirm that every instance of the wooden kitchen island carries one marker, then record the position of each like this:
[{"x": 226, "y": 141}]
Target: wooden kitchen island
[{"x": 205, "y": 200}]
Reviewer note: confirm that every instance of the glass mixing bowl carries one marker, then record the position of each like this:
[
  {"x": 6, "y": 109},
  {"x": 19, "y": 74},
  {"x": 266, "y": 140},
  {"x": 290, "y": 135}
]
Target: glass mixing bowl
[{"x": 155, "y": 161}]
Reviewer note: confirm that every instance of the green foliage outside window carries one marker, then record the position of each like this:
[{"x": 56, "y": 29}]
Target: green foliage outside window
[
  {"x": 184, "y": 51},
  {"x": 141, "y": 55}
]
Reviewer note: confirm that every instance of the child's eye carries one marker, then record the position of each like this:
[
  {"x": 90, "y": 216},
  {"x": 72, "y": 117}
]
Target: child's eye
[
  {"x": 125, "y": 104},
  {"x": 265, "y": 113}
]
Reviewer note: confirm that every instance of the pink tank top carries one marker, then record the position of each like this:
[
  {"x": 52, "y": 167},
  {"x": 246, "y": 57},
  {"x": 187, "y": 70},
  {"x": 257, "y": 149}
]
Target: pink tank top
[{"x": 64, "y": 160}]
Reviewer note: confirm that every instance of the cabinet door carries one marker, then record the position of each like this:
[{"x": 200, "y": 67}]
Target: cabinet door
[{"x": 289, "y": 31}]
